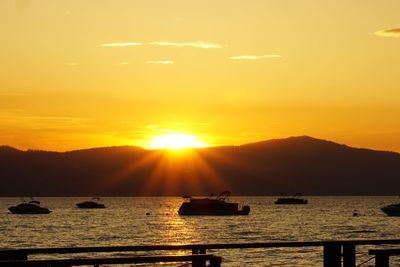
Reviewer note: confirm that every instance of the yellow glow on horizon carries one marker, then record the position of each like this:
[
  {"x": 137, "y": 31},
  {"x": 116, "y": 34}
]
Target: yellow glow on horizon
[{"x": 176, "y": 141}]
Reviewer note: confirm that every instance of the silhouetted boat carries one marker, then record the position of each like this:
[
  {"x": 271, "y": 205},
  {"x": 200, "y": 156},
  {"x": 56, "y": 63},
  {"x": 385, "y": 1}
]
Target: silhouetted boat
[
  {"x": 392, "y": 210},
  {"x": 290, "y": 200},
  {"x": 32, "y": 207},
  {"x": 90, "y": 204},
  {"x": 212, "y": 206}
]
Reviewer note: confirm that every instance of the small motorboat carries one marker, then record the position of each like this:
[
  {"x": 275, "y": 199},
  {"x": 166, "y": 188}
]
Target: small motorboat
[
  {"x": 290, "y": 200},
  {"x": 32, "y": 207},
  {"x": 92, "y": 204},
  {"x": 392, "y": 210},
  {"x": 212, "y": 206}
]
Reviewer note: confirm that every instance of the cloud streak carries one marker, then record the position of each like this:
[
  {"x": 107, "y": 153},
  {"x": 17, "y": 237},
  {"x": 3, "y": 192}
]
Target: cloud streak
[
  {"x": 122, "y": 44},
  {"x": 162, "y": 62},
  {"x": 199, "y": 44},
  {"x": 251, "y": 57},
  {"x": 389, "y": 33}
]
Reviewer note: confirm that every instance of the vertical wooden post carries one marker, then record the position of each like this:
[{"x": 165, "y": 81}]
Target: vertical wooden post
[
  {"x": 349, "y": 255},
  {"x": 332, "y": 255},
  {"x": 199, "y": 263},
  {"x": 215, "y": 261},
  {"x": 381, "y": 260}
]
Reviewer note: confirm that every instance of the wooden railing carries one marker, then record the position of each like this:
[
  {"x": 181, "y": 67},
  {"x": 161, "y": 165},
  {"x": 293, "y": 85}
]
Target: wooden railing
[
  {"x": 382, "y": 256},
  {"x": 196, "y": 261},
  {"x": 335, "y": 253}
]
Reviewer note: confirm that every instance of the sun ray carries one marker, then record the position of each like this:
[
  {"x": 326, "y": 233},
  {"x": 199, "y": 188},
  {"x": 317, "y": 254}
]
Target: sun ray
[
  {"x": 188, "y": 173},
  {"x": 125, "y": 173},
  {"x": 208, "y": 173},
  {"x": 173, "y": 171},
  {"x": 165, "y": 172},
  {"x": 219, "y": 155}
]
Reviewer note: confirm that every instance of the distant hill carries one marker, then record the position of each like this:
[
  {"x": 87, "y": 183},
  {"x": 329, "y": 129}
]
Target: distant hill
[{"x": 296, "y": 164}]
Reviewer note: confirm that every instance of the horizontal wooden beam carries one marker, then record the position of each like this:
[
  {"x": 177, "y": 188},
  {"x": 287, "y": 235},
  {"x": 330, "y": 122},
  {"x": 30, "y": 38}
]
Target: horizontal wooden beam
[
  {"x": 201, "y": 258},
  {"x": 392, "y": 251},
  {"x": 68, "y": 250}
]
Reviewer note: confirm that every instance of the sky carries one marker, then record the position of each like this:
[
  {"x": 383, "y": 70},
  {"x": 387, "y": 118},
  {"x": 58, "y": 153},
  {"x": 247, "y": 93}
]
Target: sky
[{"x": 87, "y": 73}]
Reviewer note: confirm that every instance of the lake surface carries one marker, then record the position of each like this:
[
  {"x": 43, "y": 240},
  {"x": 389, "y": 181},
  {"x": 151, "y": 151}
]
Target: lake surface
[{"x": 125, "y": 222}]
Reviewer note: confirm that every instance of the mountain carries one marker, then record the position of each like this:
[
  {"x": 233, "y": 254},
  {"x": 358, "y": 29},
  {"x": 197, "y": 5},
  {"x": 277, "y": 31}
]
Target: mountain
[{"x": 296, "y": 164}]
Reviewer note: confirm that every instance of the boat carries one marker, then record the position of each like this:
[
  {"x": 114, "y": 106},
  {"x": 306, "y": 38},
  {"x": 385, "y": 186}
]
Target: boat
[
  {"x": 212, "y": 206},
  {"x": 392, "y": 210},
  {"x": 91, "y": 204},
  {"x": 290, "y": 200},
  {"x": 32, "y": 207}
]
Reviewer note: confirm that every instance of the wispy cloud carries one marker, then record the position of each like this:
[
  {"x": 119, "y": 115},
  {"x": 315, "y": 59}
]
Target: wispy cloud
[
  {"x": 251, "y": 57},
  {"x": 122, "y": 44},
  {"x": 163, "y": 62},
  {"x": 199, "y": 44},
  {"x": 389, "y": 33},
  {"x": 44, "y": 123}
]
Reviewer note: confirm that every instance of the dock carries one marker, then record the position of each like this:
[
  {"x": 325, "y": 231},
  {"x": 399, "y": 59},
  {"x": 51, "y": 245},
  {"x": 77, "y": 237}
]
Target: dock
[{"x": 335, "y": 253}]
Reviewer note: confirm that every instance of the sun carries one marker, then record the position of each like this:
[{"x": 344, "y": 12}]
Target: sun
[{"x": 176, "y": 141}]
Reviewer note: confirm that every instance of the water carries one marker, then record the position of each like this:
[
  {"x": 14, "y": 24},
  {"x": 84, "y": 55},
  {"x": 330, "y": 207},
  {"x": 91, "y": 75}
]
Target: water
[{"x": 125, "y": 222}]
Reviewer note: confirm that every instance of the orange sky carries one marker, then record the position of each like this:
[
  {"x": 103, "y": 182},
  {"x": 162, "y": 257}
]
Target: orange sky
[{"x": 79, "y": 74}]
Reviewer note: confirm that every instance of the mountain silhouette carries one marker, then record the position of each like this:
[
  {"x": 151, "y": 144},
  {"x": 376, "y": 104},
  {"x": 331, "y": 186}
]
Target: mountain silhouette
[{"x": 296, "y": 164}]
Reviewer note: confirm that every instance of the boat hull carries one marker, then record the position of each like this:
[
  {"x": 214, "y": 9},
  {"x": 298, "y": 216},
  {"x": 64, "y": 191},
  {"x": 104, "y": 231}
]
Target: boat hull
[
  {"x": 291, "y": 201},
  {"x": 90, "y": 205},
  {"x": 28, "y": 210},
  {"x": 392, "y": 210},
  {"x": 211, "y": 213},
  {"x": 212, "y": 208}
]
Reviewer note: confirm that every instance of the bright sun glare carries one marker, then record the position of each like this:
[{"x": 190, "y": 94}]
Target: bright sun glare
[{"x": 176, "y": 141}]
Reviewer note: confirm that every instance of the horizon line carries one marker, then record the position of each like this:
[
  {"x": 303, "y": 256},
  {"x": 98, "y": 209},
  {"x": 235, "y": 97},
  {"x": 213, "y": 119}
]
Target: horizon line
[{"x": 195, "y": 148}]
